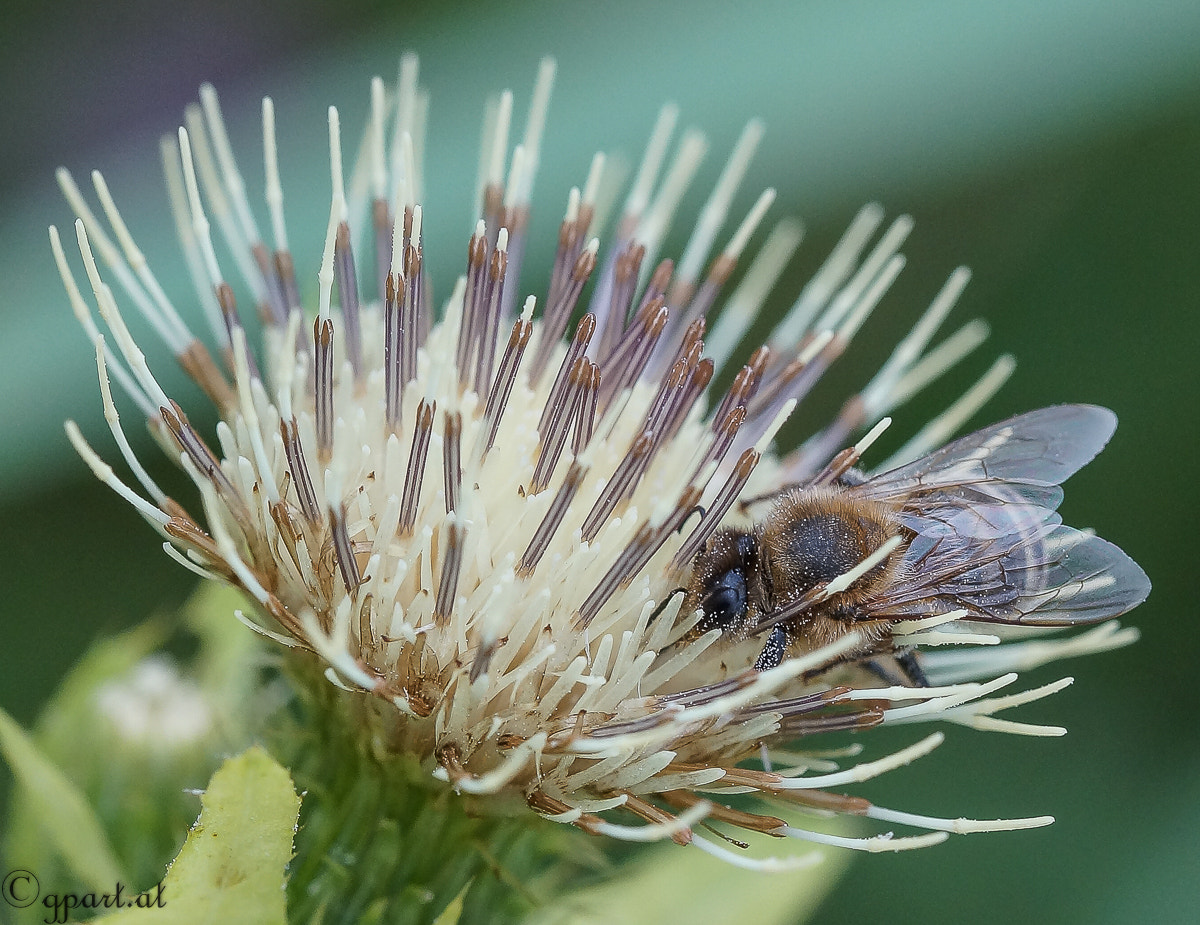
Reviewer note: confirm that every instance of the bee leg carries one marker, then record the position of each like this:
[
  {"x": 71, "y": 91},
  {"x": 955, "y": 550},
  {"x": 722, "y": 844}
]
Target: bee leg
[
  {"x": 899, "y": 668},
  {"x": 773, "y": 652},
  {"x": 907, "y": 660}
]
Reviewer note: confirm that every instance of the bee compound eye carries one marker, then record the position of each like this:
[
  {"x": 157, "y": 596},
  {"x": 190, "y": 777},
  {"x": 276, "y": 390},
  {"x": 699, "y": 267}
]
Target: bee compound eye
[{"x": 726, "y": 600}]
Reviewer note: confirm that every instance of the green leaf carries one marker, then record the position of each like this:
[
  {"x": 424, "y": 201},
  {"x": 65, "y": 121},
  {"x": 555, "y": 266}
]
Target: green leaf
[
  {"x": 232, "y": 867},
  {"x": 60, "y": 808},
  {"x": 453, "y": 912}
]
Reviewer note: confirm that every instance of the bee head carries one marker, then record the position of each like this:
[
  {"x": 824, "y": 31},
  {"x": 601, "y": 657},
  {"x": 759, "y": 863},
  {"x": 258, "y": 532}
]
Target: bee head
[{"x": 722, "y": 580}]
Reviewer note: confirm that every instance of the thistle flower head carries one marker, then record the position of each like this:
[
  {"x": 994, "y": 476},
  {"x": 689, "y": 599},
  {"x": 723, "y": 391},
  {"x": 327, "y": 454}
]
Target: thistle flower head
[{"x": 477, "y": 513}]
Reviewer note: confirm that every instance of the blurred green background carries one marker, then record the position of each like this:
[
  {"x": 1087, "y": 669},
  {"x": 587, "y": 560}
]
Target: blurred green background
[{"x": 1054, "y": 147}]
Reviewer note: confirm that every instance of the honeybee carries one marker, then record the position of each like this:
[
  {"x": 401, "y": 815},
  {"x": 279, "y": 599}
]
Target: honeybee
[{"x": 972, "y": 526}]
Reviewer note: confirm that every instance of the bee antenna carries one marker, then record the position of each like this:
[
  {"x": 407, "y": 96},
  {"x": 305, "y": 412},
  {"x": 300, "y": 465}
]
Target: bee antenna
[{"x": 696, "y": 508}]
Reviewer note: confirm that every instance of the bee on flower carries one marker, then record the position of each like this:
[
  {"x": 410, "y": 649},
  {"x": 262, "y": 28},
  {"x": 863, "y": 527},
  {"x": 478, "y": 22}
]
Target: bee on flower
[{"x": 522, "y": 520}]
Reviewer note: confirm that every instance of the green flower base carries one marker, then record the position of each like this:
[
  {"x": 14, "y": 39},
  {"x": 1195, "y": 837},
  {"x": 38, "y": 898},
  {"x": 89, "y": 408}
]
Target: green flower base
[{"x": 381, "y": 840}]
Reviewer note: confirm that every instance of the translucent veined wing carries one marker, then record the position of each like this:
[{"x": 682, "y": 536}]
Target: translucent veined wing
[
  {"x": 1052, "y": 576},
  {"x": 1000, "y": 480},
  {"x": 1030, "y": 454},
  {"x": 987, "y": 520}
]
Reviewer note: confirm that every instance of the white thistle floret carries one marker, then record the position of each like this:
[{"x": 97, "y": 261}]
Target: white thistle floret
[
  {"x": 483, "y": 525},
  {"x": 154, "y": 708}
]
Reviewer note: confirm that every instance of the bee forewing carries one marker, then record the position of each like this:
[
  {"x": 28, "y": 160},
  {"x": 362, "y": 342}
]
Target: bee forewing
[
  {"x": 1031, "y": 453},
  {"x": 982, "y": 520}
]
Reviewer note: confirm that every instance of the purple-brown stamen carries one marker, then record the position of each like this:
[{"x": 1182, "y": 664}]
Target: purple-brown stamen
[
  {"x": 451, "y": 461},
  {"x": 506, "y": 376},
  {"x": 346, "y": 277},
  {"x": 414, "y": 475}
]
